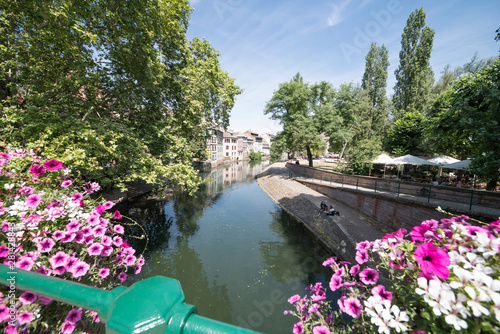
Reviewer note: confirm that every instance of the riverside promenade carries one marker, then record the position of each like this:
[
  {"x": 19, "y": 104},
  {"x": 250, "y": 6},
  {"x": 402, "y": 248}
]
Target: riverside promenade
[{"x": 338, "y": 233}]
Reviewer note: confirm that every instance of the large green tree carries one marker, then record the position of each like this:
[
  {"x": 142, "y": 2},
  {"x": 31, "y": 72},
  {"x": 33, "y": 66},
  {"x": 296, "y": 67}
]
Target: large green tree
[
  {"x": 414, "y": 76},
  {"x": 352, "y": 113},
  {"x": 466, "y": 121},
  {"x": 375, "y": 82},
  {"x": 112, "y": 89},
  {"x": 291, "y": 105}
]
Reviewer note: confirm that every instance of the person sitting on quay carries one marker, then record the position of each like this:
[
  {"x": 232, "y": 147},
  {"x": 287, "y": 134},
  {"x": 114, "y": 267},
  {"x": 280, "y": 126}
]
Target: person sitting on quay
[
  {"x": 333, "y": 212},
  {"x": 323, "y": 206}
]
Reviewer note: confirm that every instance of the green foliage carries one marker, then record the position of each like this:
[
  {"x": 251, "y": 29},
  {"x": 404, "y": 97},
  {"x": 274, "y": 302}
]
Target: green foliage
[
  {"x": 466, "y": 120},
  {"x": 361, "y": 155},
  {"x": 407, "y": 135},
  {"x": 254, "y": 156},
  {"x": 118, "y": 92},
  {"x": 414, "y": 75}
]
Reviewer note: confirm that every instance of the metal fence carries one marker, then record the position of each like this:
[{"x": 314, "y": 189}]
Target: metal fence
[{"x": 423, "y": 192}]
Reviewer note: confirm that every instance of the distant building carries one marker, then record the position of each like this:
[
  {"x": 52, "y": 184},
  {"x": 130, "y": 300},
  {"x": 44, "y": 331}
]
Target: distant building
[
  {"x": 230, "y": 146},
  {"x": 214, "y": 145}
]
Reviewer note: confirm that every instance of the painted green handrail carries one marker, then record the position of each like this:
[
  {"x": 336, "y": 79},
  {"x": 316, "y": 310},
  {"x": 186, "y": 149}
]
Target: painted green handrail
[{"x": 151, "y": 306}]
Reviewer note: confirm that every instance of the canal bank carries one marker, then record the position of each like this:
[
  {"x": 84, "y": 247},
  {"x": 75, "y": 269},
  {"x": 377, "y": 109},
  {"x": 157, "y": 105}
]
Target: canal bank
[{"x": 338, "y": 233}]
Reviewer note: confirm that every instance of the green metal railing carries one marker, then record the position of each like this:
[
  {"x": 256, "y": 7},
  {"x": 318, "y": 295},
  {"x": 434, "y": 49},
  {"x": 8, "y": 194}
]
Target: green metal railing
[{"x": 151, "y": 306}]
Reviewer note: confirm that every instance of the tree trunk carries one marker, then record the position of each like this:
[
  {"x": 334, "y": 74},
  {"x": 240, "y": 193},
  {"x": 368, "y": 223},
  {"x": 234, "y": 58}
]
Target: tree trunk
[
  {"x": 343, "y": 149},
  {"x": 309, "y": 156},
  {"x": 491, "y": 185}
]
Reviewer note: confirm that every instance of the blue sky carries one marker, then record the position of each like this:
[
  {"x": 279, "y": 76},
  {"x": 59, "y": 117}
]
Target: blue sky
[{"x": 264, "y": 43}]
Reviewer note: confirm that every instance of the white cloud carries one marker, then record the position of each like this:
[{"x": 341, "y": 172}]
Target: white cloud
[{"x": 337, "y": 13}]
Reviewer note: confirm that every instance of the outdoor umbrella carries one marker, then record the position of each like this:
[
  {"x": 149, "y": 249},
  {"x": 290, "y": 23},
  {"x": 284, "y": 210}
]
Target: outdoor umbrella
[
  {"x": 443, "y": 160},
  {"x": 412, "y": 160},
  {"x": 464, "y": 164},
  {"x": 383, "y": 159}
]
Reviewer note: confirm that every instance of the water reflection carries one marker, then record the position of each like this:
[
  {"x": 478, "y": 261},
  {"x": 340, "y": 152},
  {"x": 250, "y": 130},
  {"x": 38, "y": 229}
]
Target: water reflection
[
  {"x": 298, "y": 257},
  {"x": 237, "y": 255}
]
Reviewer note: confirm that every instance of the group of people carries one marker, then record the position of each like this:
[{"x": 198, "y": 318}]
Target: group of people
[
  {"x": 329, "y": 211},
  {"x": 457, "y": 183}
]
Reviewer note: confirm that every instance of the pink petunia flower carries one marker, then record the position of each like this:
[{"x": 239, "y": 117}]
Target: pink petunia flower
[
  {"x": 369, "y": 276},
  {"x": 298, "y": 328},
  {"x": 122, "y": 277},
  {"x": 59, "y": 259},
  {"x": 67, "y": 328},
  {"x": 335, "y": 282},
  {"x": 4, "y": 251},
  {"x": 137, "y": 270},
  {"x": 93, "y": 220},
  {"x": 58, "y": 235},
  {"x": 33, "y": 201},
  {"x": 353, "y": 307},
  {"x": 108, "y": 205},
  {"x": 103, "y": 272},
  {"x": 95, "y": 249},
  {"x": 77, "y": 197},
  {"x": 4, "y": 312},
  {"x": 45, "y": 245},
  {"x": 130, "y": 260},
  {"x": 322, "y": 329},
  {"x": 86, "y": 230},
  {"x": 71, "y": 262},
  {"x": 27, "y": 298},
  {"x": 362, "y": 256},
  {"x": 68, "y": 237},
  {"x": 37, "y": 170},
  {"x": 354, "y": 270},
  {"x": 117, "y": 241},
  {"x": 74, "y": 315},
  {"x": 80, "y": 269},
  {"x": 99, "y": 231},
  {"x": 59, "y": 270},
  {"x": 73, "y": 226},
  {"x": 53, "y": 164},
  {"x": 432, "y": 260},
  {"x": 99, "y": 209},
  {"x": 106, "y": 250},
  {"x": 379, "y": 290},
  {"x": 117, "y": 215},
  {"x": 66, "y": 184},
  {"x": 106, "y": 241},
  {"x": 89, "y": 239},
  {"x": 118, "y": 229},
  {"x": 25, "y": 317},
  {"x": 79, "y": 237},
  {"x": 44, "y": 271}
]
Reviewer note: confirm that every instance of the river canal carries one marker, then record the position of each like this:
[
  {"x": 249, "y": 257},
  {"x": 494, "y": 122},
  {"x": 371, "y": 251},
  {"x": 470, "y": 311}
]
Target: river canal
[{"x": 237, "y": 254}]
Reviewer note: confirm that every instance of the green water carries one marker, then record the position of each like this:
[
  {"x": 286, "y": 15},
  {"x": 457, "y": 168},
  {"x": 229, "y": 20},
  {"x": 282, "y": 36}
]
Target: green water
[{"x": 237, "y": 254}]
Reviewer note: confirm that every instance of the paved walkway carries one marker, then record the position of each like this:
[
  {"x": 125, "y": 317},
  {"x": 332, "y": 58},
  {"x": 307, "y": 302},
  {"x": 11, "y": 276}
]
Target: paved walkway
[{"x": 338, "y": 233}]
